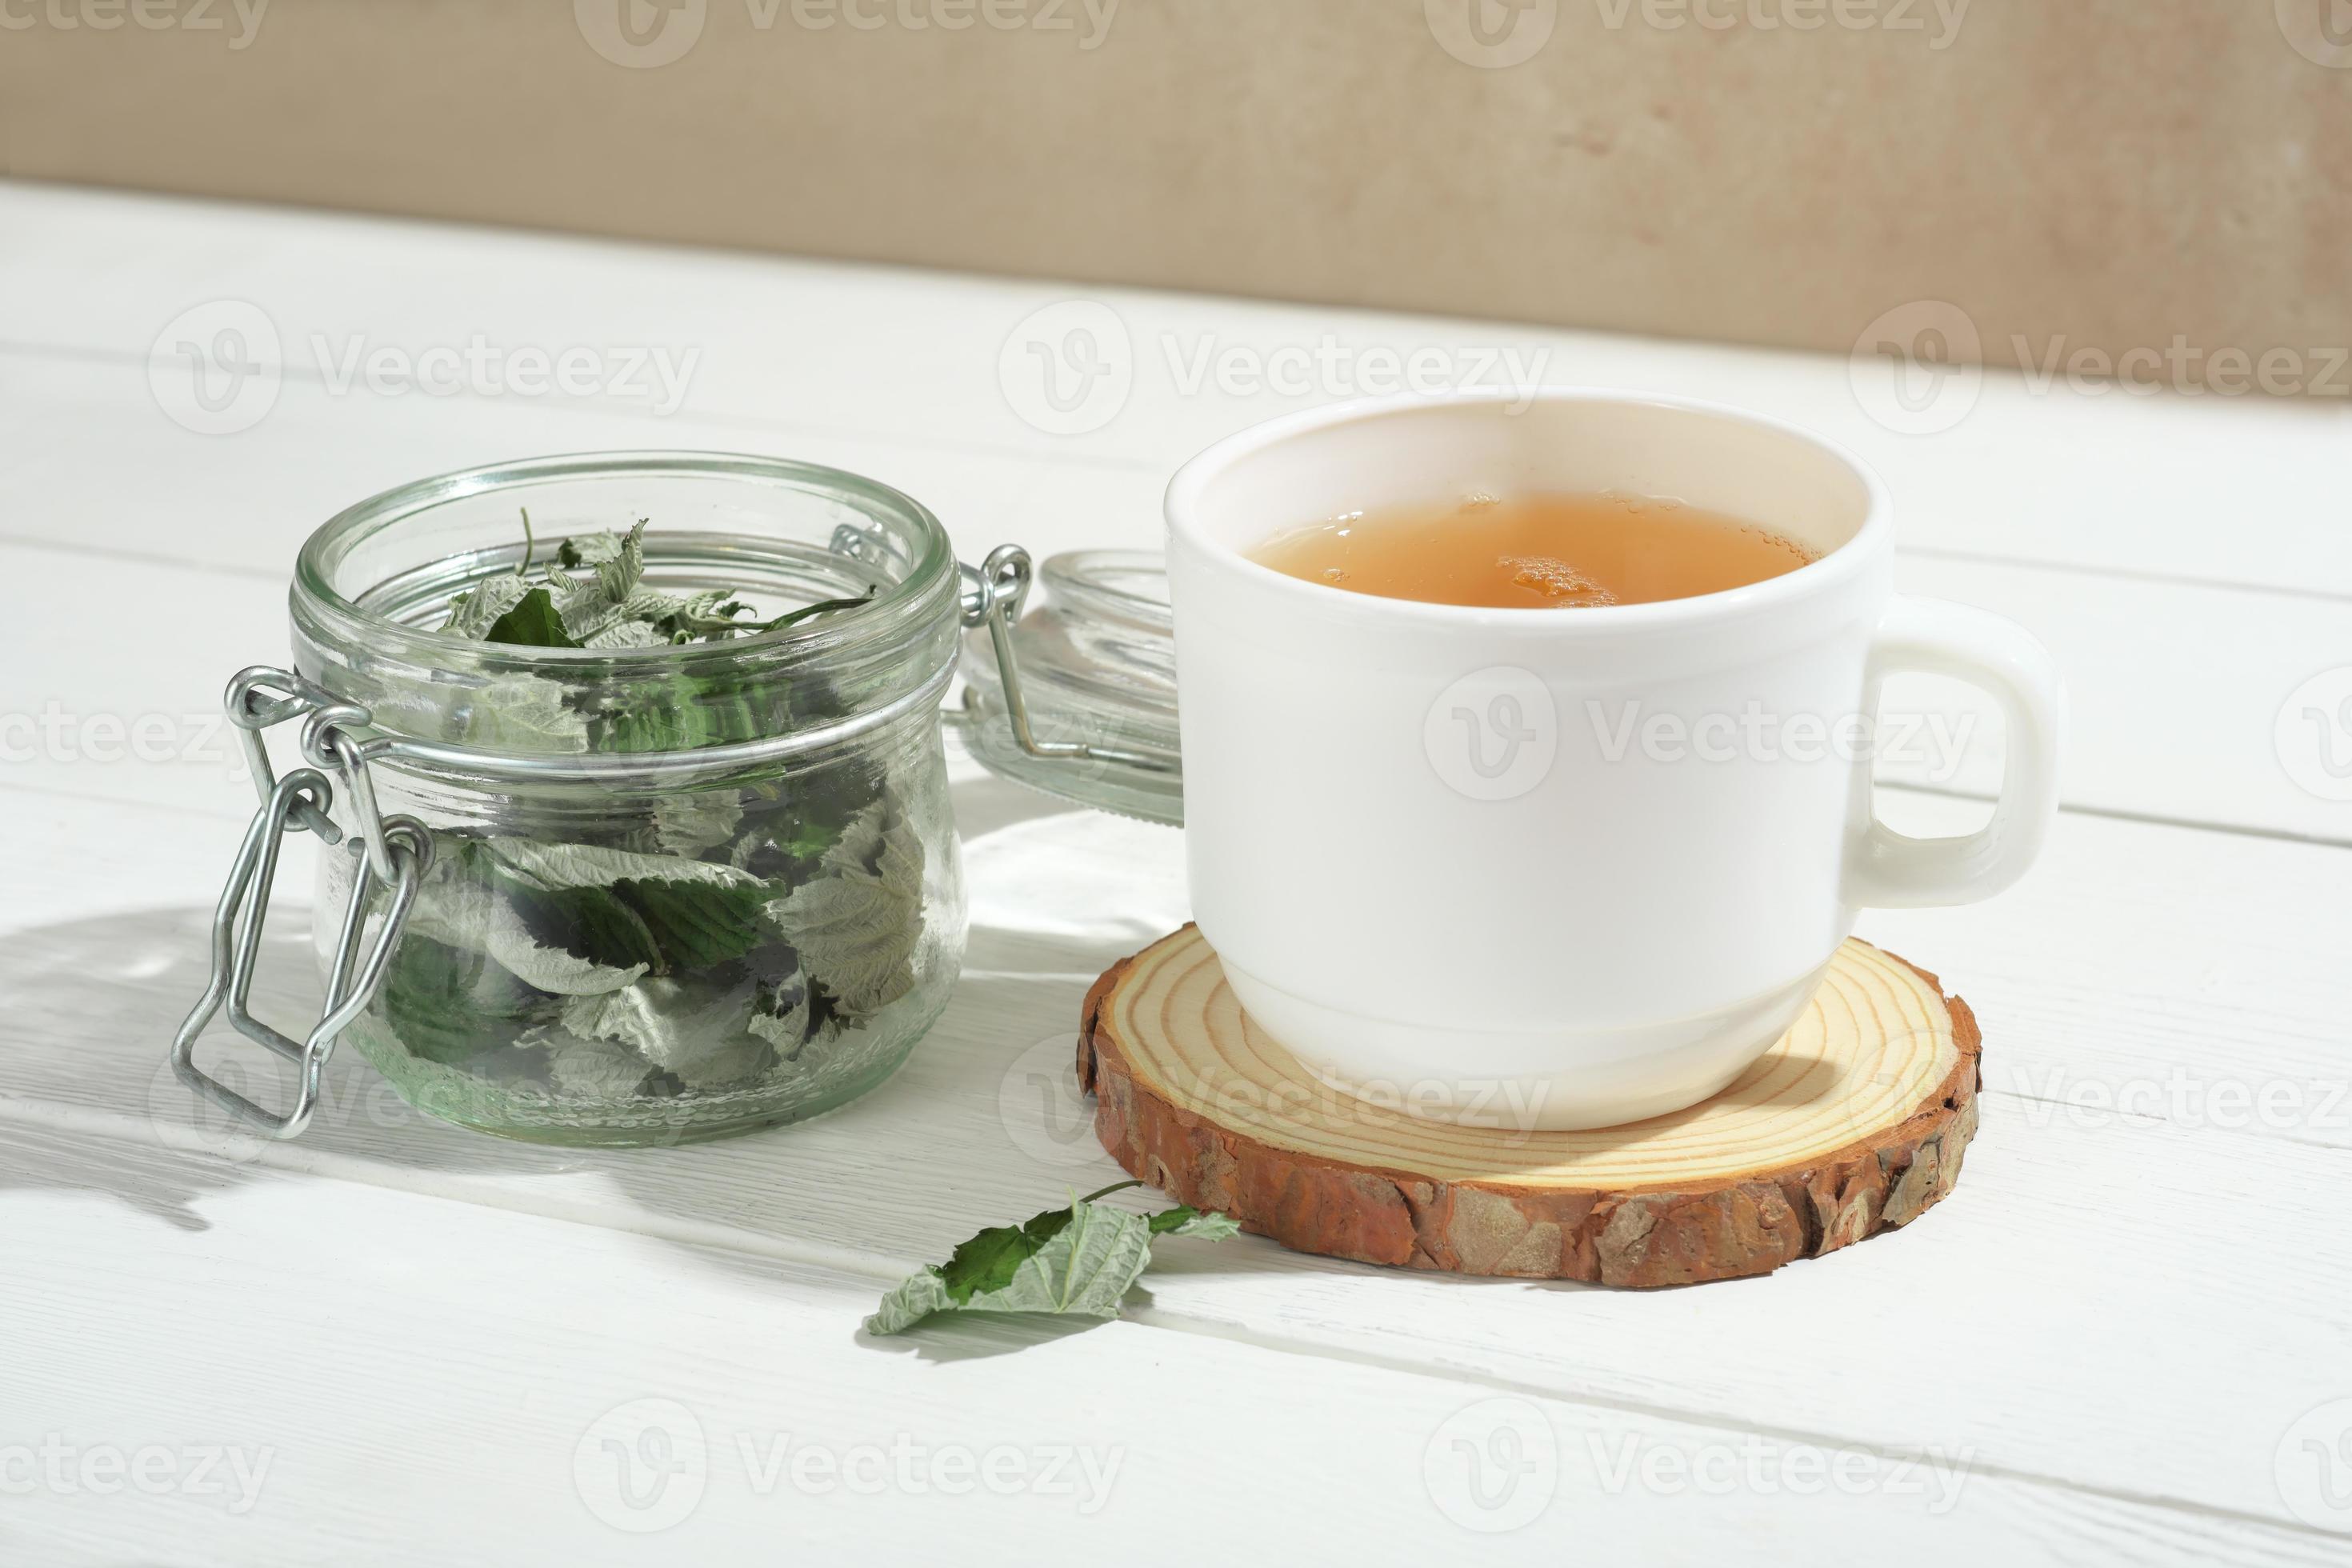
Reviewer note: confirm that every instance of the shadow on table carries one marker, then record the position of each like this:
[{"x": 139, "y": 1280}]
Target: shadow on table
[
  {"x": 976, "y": 1336},
  {"x": 88, "y": 1009},
  {"x": 983, "y": 1125}
]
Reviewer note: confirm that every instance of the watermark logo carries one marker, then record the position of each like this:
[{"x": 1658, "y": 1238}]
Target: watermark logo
[
  {"x": 1068, "y": 369},
  {"x": 1916, "y": 370},
  {"x": 1044, "y": 1111},
  {"x": 2313, "y": 1466},
  {"x": 214, "y": 369},
  {"x": 181, "y": 1119},
  {"x": 2314, "y": 735},
  {"x": 1493, "y": 1467},
  {"x": 640, "y": 34},
  {"x": 1492, "y": 35},
  {"x": 642, "y": 1466},
  {"x": 1493, "y": 735},
  {"x": 2320, "y": 30}
]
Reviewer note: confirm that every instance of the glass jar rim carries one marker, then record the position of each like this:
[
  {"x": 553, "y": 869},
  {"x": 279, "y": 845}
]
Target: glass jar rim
[
  {"x": 443, "y": 700},
  {"x": 915, "y": 598}
]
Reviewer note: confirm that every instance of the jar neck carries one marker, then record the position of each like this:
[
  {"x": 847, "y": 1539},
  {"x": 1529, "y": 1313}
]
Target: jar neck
[{"x": 371, "y": 592}]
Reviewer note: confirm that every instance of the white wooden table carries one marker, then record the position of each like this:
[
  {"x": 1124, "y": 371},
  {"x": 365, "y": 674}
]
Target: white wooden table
[{"x": 2125, "y": 1338}]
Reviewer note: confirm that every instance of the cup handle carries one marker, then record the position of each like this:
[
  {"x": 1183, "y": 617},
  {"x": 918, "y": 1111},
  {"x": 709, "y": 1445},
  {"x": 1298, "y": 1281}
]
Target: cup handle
[{"x": 1888, "y": 870}]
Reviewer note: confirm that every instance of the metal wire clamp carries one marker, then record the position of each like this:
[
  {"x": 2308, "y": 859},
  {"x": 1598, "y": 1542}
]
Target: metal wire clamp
[
  {"x": 992, "y": 597},
  {"x": 393, "y": 852}
]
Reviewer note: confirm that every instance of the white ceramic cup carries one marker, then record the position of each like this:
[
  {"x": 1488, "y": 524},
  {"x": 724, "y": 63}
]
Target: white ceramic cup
[{"x": 1439, "y": 863}]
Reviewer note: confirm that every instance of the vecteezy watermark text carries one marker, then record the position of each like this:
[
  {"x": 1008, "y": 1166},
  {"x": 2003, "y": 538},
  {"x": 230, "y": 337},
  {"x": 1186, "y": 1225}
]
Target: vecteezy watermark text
[
  {"x": 61, "y": 1469},
  {"x": 1760, "y": 1466},
  {"x": 654, "y": 374},
  {"x": 2185, "y": 1099},
  {"x": 1495, "y": 34},
  {"x": 1940, "y": 19},
  {"x": 1919, "y": 370},
  {"x": 1087, "y": 21},
  {"x": 147, "y": 16},
  {"x": 643, "y": 35},
  {"x": 1069, "y": 368},
  {"x": 1935, "y": 743},
  {"x": 217, "y": 369},
  {"x": 1496, "y": 1466},
  {"x": 644, "y": 1467},
  {"x": 1046, "y": 1115},
  {"x": 1494, "y": 735},
  {"x": 1082, "y": 1473},
  {"x": 1331, "y": 369},
  {"x": 2184, "y": 368},
  {"x": 59, "y": 735}
]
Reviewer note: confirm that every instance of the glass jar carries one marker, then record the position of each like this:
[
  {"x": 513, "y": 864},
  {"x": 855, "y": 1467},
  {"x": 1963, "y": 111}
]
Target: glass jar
[
  {"x": 648, "y": 894},
  {"x": 675, "y": 891}
]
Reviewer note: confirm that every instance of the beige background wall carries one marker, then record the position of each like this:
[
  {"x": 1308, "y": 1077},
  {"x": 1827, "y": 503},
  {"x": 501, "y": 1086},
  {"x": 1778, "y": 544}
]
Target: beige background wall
[{"x": 2116, "y": 172}]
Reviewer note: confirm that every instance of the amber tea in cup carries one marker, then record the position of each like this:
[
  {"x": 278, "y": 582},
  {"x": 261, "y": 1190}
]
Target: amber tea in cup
[{"x": 1537, "y": 552}]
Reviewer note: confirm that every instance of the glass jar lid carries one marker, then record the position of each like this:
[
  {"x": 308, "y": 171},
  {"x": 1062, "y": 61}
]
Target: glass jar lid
[{"x": 1094, "y": 666}]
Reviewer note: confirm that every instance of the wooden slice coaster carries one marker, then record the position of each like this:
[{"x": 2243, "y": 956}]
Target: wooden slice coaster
[{"x": 1853, "y": 1123}]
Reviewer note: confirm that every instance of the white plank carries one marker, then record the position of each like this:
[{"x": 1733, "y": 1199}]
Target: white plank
[
  {"x": 2079, "y": 1255},
  {"x": 2145, "y": 974},
  {"x": 2176, "y": 691},
  {"x": 113, "y": 679},
  {"x": 2111, "y": 480},
  {"x": 417, "y": 1384},
  {"x": 94, "y": 463}
]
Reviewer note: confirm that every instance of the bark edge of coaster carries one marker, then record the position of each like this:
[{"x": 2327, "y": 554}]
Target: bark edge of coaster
[{"x": 1853, "y": 1123}]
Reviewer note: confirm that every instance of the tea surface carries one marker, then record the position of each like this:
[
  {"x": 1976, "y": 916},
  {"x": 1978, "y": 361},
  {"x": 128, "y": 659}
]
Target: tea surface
[{"x": 1542, "y": 552}]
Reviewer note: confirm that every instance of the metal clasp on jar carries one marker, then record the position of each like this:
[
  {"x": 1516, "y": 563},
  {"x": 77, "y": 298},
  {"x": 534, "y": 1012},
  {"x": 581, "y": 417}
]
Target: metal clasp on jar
[
  {"x": 394, "y": 852},
  {"x": 994, "y": 594}
]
